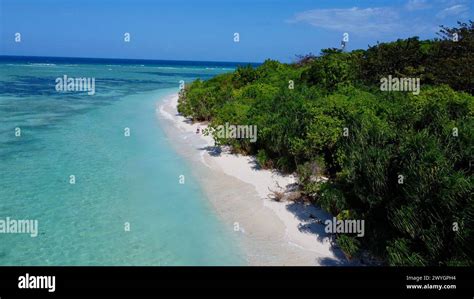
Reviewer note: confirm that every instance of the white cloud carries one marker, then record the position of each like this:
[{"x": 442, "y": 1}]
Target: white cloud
[
  {"x": 408, "y": 19},
  {"x": 363, "y": 20},
  {"x": 417, "y": 5},
  {"x": 456, "y": 11}
]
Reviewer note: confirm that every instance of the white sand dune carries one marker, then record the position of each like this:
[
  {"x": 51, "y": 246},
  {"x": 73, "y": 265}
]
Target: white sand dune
[{"x": 310, "y": 244}]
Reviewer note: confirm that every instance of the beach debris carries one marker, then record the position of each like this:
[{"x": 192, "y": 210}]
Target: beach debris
[
  {"x": 315, "y": 219},
  {"x": 290, "y": 194},
  {"x": 293, "y": 196},
  {"x": 276, "y": 195}
]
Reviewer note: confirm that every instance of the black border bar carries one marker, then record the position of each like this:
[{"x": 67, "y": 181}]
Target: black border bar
[{"x": 242, "y": 282}]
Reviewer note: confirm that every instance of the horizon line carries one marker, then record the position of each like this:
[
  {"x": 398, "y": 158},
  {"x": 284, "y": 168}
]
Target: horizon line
[{"x": 138, "y": 59}]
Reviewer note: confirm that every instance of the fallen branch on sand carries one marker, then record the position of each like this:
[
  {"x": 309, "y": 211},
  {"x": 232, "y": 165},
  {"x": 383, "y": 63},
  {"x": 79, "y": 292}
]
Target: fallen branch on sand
[{"x": 283, "y": 195}]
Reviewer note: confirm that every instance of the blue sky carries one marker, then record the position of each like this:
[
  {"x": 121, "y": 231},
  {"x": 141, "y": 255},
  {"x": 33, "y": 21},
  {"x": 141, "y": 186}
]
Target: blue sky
[{"x": 204, "y": 29}]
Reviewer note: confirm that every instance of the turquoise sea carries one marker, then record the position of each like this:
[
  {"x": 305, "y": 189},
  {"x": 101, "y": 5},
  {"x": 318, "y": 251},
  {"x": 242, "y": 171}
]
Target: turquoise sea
[{"x": 119, "y": 179}]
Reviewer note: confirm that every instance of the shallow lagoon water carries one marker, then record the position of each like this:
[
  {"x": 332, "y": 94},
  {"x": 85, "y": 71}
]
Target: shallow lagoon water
[{"x": 120, "y": 181}]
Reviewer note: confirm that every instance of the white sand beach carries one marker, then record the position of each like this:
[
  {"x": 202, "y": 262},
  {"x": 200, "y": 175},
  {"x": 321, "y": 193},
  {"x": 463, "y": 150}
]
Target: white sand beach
[{"x": 275, "y": 233}]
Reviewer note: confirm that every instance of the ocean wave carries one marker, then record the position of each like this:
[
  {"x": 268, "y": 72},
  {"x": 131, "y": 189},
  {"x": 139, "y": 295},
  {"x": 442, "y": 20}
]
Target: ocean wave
[
  {"x": 42, "y": 64},
  {"x": 219, "y": 68},
  {"x": 168, "y": 67}
]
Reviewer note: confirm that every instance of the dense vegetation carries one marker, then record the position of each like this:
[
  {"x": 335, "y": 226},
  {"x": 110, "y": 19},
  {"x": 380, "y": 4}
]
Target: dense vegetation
[{"x": 404, "y": 164}]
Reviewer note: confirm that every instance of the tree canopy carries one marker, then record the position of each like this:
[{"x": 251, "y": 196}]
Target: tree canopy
[{"x": 402, "y": 162}]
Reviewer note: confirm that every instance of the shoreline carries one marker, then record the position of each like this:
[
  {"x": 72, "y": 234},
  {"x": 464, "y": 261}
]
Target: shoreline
[{"x": 302, "y": 238}]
